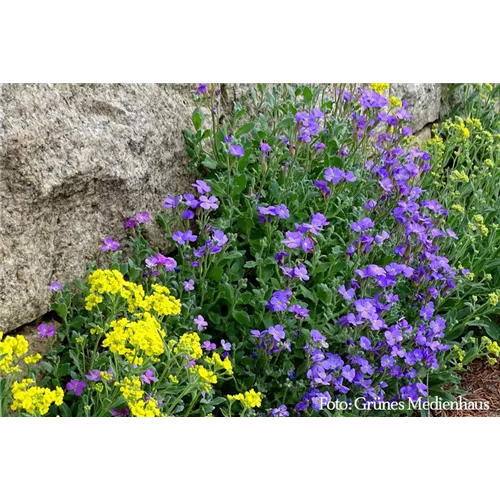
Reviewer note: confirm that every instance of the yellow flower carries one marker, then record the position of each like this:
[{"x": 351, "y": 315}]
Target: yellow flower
[
  {"x": 395, "y": 101},
  {"x": 458, "y": 208},
  {"x": 134, "y": 395},
  {"x": 457, "y": 176},
  {"x": 494, "y": 349},
  {"x": 91, "y": 301},
  {"x": 32, "y": 360},
  {"x": 493, "y": 299},
  {"x": 250, "y": 399},
  {"x": 34, "y": 400},
  {"x": 207, "y": 376},
  {"x": 379, "y": 87},
  {"x": 189, "y": 344},
  {"x": 12, "y": 347},
  {"x": 173, "y": 379}
]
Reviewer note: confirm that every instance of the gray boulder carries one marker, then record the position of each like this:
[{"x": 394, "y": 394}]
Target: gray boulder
[{"x": 76, "y": 160}]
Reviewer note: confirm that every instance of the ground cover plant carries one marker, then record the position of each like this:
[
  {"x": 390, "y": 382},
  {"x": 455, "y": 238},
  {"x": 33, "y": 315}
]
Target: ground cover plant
[{"x": 314, "y": 264}]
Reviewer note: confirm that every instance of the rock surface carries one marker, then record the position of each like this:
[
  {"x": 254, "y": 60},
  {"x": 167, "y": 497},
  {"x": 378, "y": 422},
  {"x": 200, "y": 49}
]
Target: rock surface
[
  {"x": 424, "y": 100},
  {"x": 76, "y": 160}
]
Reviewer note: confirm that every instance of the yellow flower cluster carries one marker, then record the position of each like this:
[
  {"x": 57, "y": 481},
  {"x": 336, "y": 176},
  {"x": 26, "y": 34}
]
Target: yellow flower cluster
[
  {"x": 395, "y": 101},
  {"x": 32, "y": 360},
  {"x": 134, "y": 395},
  {"x": 162, "y": 302},
  {"x": 112, "y": 282},
  {"x": 34, "y": 400},
  {"x": 457, "y": 128},
  {"x": 216, "y": 361},
  {"x": 11, "y": 348},
  {"x": 493, "y": 299},
  {"x": 379, "y": 87},
  {"x": 131, "y": 338},
  {"x": 189, "y": 344},
  {"x": 478, "y": 224},
  {"x": 207, "y": 375},
  {"x": 457, "y": 176},
  {"x": 250, "y": 399},
  {"x": 458, "y": 208}
]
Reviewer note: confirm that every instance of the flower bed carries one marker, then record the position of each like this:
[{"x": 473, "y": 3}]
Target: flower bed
[{"x": 315, "y": 270}]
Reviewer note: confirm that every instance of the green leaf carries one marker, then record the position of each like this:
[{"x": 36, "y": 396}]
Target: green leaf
[
  {"x": 244, "y": 129},
  {"x": 77, "y": 323},
  {"x": 65, "y": 410},
  {"x": 61, "y": 310},
  {"x": 197, "y": 117},
  {"x": 287, "y": 122},
  {"x": 218, "y": 401},
  {"x": 240, "y": 184},
  {"x": 216, "y": 273},
  {"x": 308, "y": 95},
  {"x": 209, "y": 163},
  {"x": 242, "y": 317},
  {"x": 47, "y": 366},
  {"x": 324, "y": 293},
  {"x": 250, "y": 264}
]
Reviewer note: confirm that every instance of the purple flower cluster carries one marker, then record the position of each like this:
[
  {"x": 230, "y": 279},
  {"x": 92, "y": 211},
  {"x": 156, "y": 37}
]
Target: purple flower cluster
[
  {"x": 300, "y": 238},
  {"x": 266, "y": 213},
  {"x": 308, "y": 124},
  {"x": 159, "y": 260},
  {"x": 272, "y": 340}
]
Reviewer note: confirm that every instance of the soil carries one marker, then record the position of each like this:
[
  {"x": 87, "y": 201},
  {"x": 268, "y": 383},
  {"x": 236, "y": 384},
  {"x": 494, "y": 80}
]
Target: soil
[{"x": 481, "y": 382}]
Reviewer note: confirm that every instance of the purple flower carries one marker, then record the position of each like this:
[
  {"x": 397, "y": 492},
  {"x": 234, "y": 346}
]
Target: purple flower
[
  {"x": 46, "y": 330},
  {"x": 279, "y": 300},
  {"x": 427, "y": 311},
  {"x": 191, "y": 201},
  {"x": 264, "y": 147},
  {"x": 279, "y": 412},
  {"x": 348, "y": 373},
  {"x": 55, "y": 286},
  {"x": 110, "y": 245},
  {"x": 228, "y": 139},
  {"x": 202, "y": 88},
  {"x": 169, "y": 263},
  {"x": 76, "y": 386},
  {"x": 182, "y": 238},
  {"x": 200, "y": 322},
  {"x": 187, "y": 215},
  {"x": 299, "y": 311},
  {"x": 276, "y": 332},
  {"x": 365, "y": 343},
  {"x": 129, "y": 223},
  {"x": 346, "y": 294},
  {"x": 320, "y": 146},
  {"x": 143, "y": 217},
  {"x": 219, "y": 237},
  {"x": 323, "y": 187},
  {"x": 171, "y": 201},
  {"x": 189, "y": 285},
  {"x": 293, "y": 239},
  {"x": 148, "y": 376},
  {"x": 208, "y": 203},
  {"x": 120, "y": 413},
  {"x": 151, "y": 262},
  {"x": 236, "y": 150},
  {"x": 202, "y": 187},
  {"x": 93, "y": 376},
  {"x": 225, "y": 345},
  {"x": 208, "y": 346},
  {"x": 334, "y": 175},
  {"x": 362, "y": 225},
  {"x": 301, "y": 273}
]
